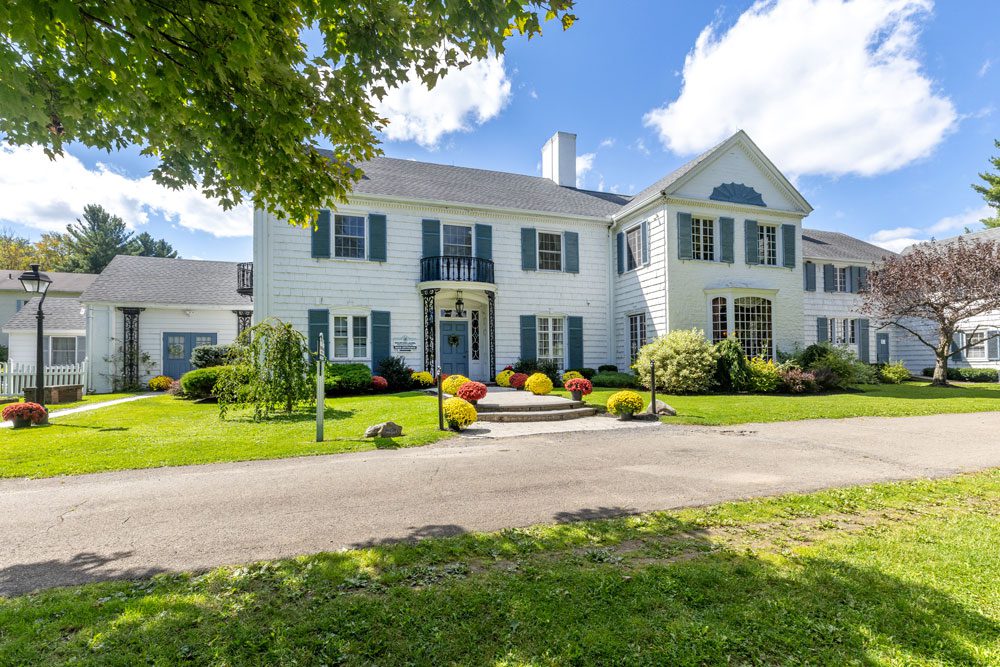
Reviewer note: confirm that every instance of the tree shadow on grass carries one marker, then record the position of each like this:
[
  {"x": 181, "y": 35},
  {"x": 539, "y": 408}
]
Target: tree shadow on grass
[{"x": 298, "y": 415}]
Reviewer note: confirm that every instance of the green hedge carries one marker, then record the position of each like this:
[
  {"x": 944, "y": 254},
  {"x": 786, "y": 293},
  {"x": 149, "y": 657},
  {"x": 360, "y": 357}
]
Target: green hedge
[
  {"x": 200, "y": 383},
  {"x": 346, "y": 379},
  {"x": 967, "y": 374},
  {"x": 615, "y": 380}
]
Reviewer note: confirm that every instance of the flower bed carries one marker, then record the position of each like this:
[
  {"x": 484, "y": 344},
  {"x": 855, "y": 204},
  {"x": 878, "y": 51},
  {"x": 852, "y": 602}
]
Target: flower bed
[{"x": 160, "y": 383}]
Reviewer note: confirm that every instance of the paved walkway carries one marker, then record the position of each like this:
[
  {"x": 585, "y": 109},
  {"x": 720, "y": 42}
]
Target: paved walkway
[
  {"x": 97, "y": 405},
  {"x": 130, "y": 524}
]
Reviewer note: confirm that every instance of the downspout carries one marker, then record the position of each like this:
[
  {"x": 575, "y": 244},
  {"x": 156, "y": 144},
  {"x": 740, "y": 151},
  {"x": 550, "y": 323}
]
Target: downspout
[{"x": 612, "y": 272}]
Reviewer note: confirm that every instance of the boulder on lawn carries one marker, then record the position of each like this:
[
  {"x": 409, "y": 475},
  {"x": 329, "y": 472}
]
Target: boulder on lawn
[
  {"x": 386, "y": 430},
  {"x": 661, "y": 409}
]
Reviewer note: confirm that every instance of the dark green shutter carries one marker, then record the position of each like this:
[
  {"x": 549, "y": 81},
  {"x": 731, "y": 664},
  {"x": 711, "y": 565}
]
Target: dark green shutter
[
  {"x": 994, "y": 345},
  {"x": 571, "y": 241},
  {"x": 829, "y": 284},
  {"x": 381, "y": 337},
  {"x": 644, "y": 233},
  {"x": 81, "y": 348},
  {"x": 726, "y": 253},
  {"x": 321, "y": 235},
  {"x": 822, "y": 329},
  {"x": 621, "y": 252},
  {"x": 809, "y": 276},
  {"x": 528, "y": 337},
  {"x": 376, "y": 238},
  {"x": 684, "y": 236},
  {"x": 957, "y": 341},
  {"x": 788, "y": 245},
  {"x": 750, "y": 242},
  {"x": 529, "y": 253},
  {"x": 574, "y": 330},
  {"x": 319, "y": 322},
  {"x": 861, "y": 336},
  {"x": 862, "y": 278},
  {"x": 431, "y": 230},
  {"x": 484, "y": 241}
]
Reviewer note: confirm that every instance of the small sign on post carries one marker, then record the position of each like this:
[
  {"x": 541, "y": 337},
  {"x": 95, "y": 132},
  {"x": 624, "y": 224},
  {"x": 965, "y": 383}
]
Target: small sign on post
[{"x": 320, "y": 390}]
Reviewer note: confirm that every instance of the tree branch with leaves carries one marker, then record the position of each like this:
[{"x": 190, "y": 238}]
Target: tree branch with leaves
[{"x": 990, "y": 190}]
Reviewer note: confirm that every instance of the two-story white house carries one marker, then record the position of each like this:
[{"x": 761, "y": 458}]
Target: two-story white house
[{"x": 470, "y": 270}]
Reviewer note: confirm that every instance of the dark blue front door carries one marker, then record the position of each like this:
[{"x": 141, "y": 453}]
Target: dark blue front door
[
  {"x": 177, "y": 349},
  {"x": 455, "y": 348}
]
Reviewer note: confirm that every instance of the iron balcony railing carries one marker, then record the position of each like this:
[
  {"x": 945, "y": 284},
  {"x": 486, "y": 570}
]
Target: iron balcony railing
[
  {"x": 244, "y": 278},
  {"x": 460, "y": 269}
]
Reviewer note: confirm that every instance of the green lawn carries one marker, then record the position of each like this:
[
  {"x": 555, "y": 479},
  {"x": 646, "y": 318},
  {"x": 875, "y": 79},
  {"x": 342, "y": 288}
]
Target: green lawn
[
  {"x": 165, "y": 431},
  {"x": 894, "y": 574},
  {"x": 90, "y": 398},
  {"x": 903, "y": 400}
]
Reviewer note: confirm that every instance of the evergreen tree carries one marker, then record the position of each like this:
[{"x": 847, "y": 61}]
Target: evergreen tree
[
  {"x": 95, "y": 240},
  {"x": 145, "y": 245},
  {"x": 991, "y": 191}
]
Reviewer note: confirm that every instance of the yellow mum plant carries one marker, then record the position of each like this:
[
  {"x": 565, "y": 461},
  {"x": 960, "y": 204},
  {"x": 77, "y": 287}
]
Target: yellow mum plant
[
  {"x": 624, "y": 403},
  {"x": 160, "y": 383},
  {"x": 452, "y": 383},
  {"x": 503, "y": 378},
  {"x": 538, "y": 384},
  {"x": 459, "y": 413},
  {"x": 571, "y": 375},
  {"x": 423, "y": 378}
]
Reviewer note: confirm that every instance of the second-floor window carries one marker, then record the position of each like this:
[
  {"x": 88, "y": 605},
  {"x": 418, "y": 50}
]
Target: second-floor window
[
  {"x": 549, "y": 251},
  {"x": 349, "y": 237},
  {"x": 457, "y": 241},
  {"x": 703, "y": 239},
  {"x": 767, "y": 244},
  {"x": 350, "y": 337},
  {"x": 840, "y": 279},
  {"x": 633, "y": 248}
]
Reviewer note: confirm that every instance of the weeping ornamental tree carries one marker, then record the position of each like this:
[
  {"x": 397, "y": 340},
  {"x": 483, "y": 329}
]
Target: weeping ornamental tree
[
  {"x": 936, "y": 290},
  {"x": 268, "y": 370}
]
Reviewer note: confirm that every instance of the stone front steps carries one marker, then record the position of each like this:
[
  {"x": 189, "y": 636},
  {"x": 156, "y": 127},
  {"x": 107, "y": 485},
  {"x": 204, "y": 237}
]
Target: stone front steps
[{"x": 542, "y": 411}]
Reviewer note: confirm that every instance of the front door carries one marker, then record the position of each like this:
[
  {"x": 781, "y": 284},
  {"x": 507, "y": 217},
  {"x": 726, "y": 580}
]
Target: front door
[
  {"x": 177, "y": 349},
  {"x": 882, "y": 348},
  {"x": 455, "y": 348}
]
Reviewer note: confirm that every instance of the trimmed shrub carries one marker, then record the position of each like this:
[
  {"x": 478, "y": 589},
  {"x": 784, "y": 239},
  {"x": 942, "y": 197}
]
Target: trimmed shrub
[
  {"x": 459, "y": 413},
  {"x": 550, "y": 369},
  {"x": 472, "y": 391},
  {"x": 570, "y": 375},
  {"x": 503, "y": 377},
  {"x": 422, "y": 379},
  {"x": 538, "y": 384},
  {"x": 347, "y": 379},
  {"x": 607, "y": 368},
  {"x": 835, "y": 367},
  {"x": 452, "y": 383},
  {"x": 764, "y": 375},
  {"x": 379, "y": 383},
  {"x": 615, "y": 380},
  {"x": 797, "y": 381},
  {"x": 160, "y": 383},
  {"x": 588, "y": 373},
  {"x": 685, "y": 362},
  {"x": 967, "y": 374},
  {"x": 526, "y": 366},
  {"x": 624, "y": 402},
  {"x": 732, "y": 371},
  {"x": 208, "y": 356},
  {"x": 894, "y": 373},
  {"x": 200, "y": 383},
  {"x": 517, "y": 380},
  {"x": 396, "y": 373}
]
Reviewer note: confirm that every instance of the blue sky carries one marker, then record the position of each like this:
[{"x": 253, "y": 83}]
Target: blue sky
[{"x": 882, "y": 112}]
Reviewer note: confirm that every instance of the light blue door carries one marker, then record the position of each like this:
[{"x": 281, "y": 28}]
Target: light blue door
[
  {"x": 177, "y": 349},
  {"x": 455, "y": 348}
]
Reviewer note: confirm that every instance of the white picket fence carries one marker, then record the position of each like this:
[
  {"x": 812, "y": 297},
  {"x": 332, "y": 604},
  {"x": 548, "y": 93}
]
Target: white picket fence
[{"x": 15, "y": 377}]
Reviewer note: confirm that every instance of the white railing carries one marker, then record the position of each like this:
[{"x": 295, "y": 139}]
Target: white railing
[{"x": 15, "y": 377}]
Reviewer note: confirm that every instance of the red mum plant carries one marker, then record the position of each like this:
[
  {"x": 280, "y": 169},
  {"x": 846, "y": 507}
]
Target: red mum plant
[
  {"x": 508, "y": 367},
  {"x": 517, "y": 380},
  {"x": 379, "y": 383},
  {"x": 582, "y": 385},
  {"x": 30, "y": 412},
  {"x": 472, "y": 391}
]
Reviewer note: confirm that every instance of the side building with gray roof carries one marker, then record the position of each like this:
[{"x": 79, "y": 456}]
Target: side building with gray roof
[{"x": 13, "y": 296}]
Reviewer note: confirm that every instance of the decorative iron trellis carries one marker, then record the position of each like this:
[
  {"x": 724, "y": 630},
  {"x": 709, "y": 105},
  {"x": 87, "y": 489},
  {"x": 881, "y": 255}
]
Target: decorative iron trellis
[
  {"x": 130, "y": 347},
  {"x": 474, "y": 317},
  {"x": 430, "y": 330},
  {"x": 243, "y": 320},
  {"x": 492, "y": 299}
]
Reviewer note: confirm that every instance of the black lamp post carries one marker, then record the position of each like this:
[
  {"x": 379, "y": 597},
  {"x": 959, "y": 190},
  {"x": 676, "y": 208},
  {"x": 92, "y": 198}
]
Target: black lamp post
[{"x": 36, "y": 282}]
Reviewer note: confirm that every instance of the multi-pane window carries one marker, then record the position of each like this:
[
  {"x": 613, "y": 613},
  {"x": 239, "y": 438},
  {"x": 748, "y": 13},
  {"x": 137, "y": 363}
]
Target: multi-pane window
[
  {"x": 549, "y": 251},
  {"x": 633, "y": 248},
  {"x": 720, "y": 319},
  {"x": 350, "y": 337},
  {"x": 840, "y": 279},
  {"x": 841, "y": 331},
  {"x": 752, "y": 325},
  {"x": 62, "y": 350},
  {"x": 977, "y": 346},
  {"x": 767, "y": 244},
  {"x": 551, "y": 339},
  {"x": 703, "y": 239},
  {"x": 636, "y": 334},
  {"x": 457, "y": 240},
  {"x": 349, "y": 236},
  {"x": 203, "y": 339}
]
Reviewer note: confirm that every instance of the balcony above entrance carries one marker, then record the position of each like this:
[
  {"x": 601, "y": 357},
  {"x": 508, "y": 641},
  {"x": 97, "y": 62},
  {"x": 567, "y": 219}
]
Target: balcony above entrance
[{"x": 450, "y": 268}]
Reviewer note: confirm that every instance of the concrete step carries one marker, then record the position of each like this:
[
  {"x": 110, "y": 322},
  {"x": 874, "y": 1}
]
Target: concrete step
[
  {"x": 530, "y": 407},
  {"x": 536, "y": 415}
]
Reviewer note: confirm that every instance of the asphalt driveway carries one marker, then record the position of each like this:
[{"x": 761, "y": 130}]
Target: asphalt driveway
[{"x": 72, "y": 530}]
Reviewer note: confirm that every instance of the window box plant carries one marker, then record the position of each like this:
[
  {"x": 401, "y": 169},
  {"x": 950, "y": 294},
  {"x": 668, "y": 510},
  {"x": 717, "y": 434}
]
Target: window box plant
[{"x": 25, "y": 414}]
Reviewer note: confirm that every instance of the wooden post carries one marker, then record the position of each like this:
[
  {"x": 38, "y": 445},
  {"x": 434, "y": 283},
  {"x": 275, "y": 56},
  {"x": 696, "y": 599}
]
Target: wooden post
[
  {"x": 652, "y": 386},
  {"x": 320, "y": 391},
  {"x": 440, "y": 401}
]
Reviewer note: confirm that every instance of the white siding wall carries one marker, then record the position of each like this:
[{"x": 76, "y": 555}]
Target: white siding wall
[
  {"x": 737, "y": 166},
  {"x": 643, "y": 290},
  {"x": 917, "y": 356},
  {"x": 23, "y": 344},
  {"x": 840, "y": 305},
  {"x": 8, "y": 306}
]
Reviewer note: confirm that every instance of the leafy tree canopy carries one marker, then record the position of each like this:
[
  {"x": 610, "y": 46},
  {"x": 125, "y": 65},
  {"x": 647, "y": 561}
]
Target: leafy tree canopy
[
  {"x": 225, "y": 93},
  {"x": 991, "y": 190}
]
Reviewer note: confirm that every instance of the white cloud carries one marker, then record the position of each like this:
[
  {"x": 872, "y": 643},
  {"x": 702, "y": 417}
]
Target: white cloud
[
  {"x": 460, "y": 99},
  {"x": 824, "y": 86},
  {"x": 640, "y": 146},
  {"x": 49, "y": 194},
  {"x": 609, "y": 142},
  {"x": 902, "y": 237},
  {"x": 985, "y": 67},
  {"x": 584, "y": 163},
  {"x": 970, "y": 217}
]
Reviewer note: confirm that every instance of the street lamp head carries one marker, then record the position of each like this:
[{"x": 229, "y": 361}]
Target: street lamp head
[{"x": 35, "y": 281}]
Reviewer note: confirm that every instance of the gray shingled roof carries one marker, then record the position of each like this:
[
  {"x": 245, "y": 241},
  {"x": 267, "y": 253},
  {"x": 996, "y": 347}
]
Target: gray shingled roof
[
  {"x": 409, "y": 179},
  {"x": 818, "y": 244},
  {"x": 992, "y": 234},
  {"x": 61, "y": 314},
  {"x": 162, "y": 280},
  {"x": 73, "y": 283}
]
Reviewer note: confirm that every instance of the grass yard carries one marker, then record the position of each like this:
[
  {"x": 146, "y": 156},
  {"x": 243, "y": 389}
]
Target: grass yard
[
  {"x": 893, "y": 574},
  {"x": 901, "y": 400},
  {"x": 165, "y": 431}
]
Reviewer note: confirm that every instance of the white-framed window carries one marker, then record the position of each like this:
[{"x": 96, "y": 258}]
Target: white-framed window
[
  {"x": 753, "y": 326},
  {"x": 977, "y": 346},
  {"x": 350, "y": 336},
  {"x": 62, "y": 350},
  {"x": 840, "y": 276},
  {"x": 456, "y": 241},
  {"x": 841, "y": 331},
  {"x": 767, "y": 244},
  {"x": 636, "y": 334},
  {"x": 703, "y": 239},
  {"x": 549, "y": 251},
  {"x": 349, "y": 236},
  {"x": 720, "y": 319},
  {"x": 551, "y": 339},
  {"x": 633, "y": 248}
]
